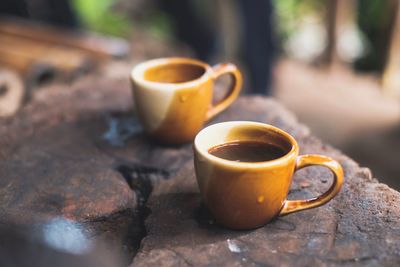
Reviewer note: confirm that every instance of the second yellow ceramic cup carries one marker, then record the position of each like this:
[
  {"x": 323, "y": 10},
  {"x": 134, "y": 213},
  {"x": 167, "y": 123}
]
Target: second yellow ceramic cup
[
  {"x": 173, "y": 96},
  {"x": 246, "y": 195}
]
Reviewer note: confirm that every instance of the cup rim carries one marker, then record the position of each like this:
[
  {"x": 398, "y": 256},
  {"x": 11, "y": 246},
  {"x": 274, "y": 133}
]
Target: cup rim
[
  {"x": 137, "y": 73},
  {"x": 293, "y": 152}
]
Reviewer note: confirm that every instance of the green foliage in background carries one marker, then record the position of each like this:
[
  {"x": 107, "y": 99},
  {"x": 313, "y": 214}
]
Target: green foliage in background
[
  {"x": 159, "y": 24},
  {"x": 289, "y": 13},
  {"x": 373, "y": 19},
  {"x": 98, "y": 15}
]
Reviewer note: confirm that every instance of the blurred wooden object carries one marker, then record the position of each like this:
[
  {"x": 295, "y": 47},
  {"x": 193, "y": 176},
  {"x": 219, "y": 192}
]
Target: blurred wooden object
[
  {"x": 330, "y": 22},
  {"x": 98, "y": 46},
  {"x": 38, "y": 51},
  {"x": 68, "y": 62},
  {"x": 340, "y": 14},
  {"x": 12, "y": 93},
  {"x": 391, "y": 74},
  {"x": 34, "y": 70},
  {"x": 226, "y": 17}
]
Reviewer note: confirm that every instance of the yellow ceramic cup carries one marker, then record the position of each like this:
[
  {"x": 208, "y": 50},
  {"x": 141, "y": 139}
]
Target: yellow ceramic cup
[
  {"x": 173, "y": 96},
  {"x": 246, "y": 195}
]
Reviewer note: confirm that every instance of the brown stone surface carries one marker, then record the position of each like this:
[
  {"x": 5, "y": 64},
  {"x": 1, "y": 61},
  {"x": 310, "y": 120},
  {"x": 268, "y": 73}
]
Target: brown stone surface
[
  {"x": 51, "y": 163},
  {"x": 54, "y": 163},
  {"x": 361, "y": 227},
  {"x": 75, "y": 151}
]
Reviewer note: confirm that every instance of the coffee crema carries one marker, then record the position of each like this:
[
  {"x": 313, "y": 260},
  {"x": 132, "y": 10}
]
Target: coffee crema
[{"x": 247, "y": 151}]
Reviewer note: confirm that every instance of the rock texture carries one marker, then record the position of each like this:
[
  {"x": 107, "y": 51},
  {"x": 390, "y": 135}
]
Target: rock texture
[
  {"x": 54, "y": 163},
  {"x": 76, "y": 152},
  {"x": 360, "y": 227}
]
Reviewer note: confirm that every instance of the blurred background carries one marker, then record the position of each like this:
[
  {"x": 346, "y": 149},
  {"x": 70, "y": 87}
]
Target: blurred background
[{"x": 334, "y": 63}]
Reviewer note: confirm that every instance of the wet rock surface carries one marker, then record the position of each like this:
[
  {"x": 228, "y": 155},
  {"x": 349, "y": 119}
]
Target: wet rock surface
[{"x": 77, "y": 152}]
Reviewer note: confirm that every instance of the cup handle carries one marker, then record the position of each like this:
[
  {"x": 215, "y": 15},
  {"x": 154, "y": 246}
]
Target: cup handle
[
  {"x": 218, "y": 71},
  {"x": 307, "y": 160}
]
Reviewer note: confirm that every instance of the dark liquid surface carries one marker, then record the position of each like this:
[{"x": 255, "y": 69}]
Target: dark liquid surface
[{"x": 247, "y": 151}]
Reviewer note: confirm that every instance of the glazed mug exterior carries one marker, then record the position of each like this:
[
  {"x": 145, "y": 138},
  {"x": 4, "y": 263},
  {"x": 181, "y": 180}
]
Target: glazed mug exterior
[
  {"x": 173, "y": 96},
  {"x": 246, "y": 195}
]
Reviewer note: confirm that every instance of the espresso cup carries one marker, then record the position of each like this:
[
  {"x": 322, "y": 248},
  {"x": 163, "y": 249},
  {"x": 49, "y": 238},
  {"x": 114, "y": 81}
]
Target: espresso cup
[
  {"x": 173, "y": 96},
  {"x": 246, "y": 195}
]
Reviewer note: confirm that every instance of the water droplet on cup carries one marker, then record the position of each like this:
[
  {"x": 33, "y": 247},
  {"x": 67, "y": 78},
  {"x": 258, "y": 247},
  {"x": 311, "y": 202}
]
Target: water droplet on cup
[{"x": 183, "y": 98}]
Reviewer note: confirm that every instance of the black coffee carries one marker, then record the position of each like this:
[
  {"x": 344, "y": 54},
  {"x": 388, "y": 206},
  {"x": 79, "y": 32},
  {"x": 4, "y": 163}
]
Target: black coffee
[{"x": 247, "y": 151}]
